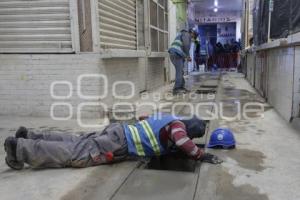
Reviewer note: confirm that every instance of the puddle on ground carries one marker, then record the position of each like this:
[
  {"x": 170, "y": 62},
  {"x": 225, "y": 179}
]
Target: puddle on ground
[
  {"x": 203, "y": 78},
  {"x": 268, "y": 107},
  {"x": 227, "y": 190},
  {"x": 197, "y": 79},
  {"x": 248, "y": 159},
  {"x": 232, "y": 108},
  {"x": 237, "y": 92},
  {"x": 238, "y": 129},
  {"x": 241, "y": 94}
]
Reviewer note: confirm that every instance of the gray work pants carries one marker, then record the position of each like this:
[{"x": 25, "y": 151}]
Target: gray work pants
[
  {"x": 52, "y": 150},
  {"x": 178, "y": 62}
]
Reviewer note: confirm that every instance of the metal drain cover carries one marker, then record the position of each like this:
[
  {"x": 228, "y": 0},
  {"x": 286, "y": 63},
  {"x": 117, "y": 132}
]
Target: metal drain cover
[
  {"x": 206, "y": 91},
  {"x": 209, "y": 86}
]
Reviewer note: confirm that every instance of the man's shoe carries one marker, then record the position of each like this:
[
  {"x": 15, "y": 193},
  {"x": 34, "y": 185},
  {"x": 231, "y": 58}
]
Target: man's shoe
[
  {"x": 22, "y": 132},
  {"x": 10, "y": 146}
]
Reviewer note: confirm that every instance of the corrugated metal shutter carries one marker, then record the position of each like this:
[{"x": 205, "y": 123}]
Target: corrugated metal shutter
[
  {"x": 118, "y": 24},
  {"x": 35, "y": 26}
]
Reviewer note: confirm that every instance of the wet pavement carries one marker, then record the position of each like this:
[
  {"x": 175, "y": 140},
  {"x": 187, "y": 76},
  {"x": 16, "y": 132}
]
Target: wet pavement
[{"x": 265, "y": 164}]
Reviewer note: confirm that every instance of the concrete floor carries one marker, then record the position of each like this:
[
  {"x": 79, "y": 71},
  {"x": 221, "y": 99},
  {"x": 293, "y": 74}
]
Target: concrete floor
[{"x": 264, "y": 166}]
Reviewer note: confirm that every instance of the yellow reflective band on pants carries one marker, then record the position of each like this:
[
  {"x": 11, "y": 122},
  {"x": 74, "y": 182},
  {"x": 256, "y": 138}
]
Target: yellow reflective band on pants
[
  {"x": 151, "y": 137},
  {"x": 137, "y": 140}
]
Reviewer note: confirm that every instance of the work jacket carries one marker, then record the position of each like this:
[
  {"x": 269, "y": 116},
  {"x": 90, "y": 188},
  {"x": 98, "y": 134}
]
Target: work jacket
[
  {"x": 181, "y": 45},
  {"x": 143, "y": 138}
]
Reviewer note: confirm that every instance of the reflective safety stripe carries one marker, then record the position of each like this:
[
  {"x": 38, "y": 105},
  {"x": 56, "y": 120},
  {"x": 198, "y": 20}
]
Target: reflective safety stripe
[
  {"x": 182, "y": 141},
  {"x": 151, "y": 137},
  {"x": 176, "y": 130},
  {"x": 177, "y": 43},
  {"x": 195, "y": 150},
  {"x": 137, "y": 140}
]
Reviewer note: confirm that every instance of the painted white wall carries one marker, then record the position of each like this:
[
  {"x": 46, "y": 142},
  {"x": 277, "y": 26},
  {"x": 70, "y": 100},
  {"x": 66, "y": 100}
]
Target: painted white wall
[
  {"x": 282, "y": 79},
  {"x": 25, "y": 81},
  {"x": 296, "y": 106}
]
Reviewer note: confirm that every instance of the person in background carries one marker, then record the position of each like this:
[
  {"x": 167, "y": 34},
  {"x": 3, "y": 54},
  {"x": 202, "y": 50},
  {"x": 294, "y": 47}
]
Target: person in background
[
  {"x": 197, "y": 55},
  {"x": 219, "y": 55},
  {"x": 179, "y": 53},
  {"x": 211, "y": 54},
  {"x": 204, "y": 53}
]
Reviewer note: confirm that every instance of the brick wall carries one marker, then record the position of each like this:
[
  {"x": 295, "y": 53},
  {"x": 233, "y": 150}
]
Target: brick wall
[
  {"x": 25, "y": 81},
  {"x": 155, "y": 73}
]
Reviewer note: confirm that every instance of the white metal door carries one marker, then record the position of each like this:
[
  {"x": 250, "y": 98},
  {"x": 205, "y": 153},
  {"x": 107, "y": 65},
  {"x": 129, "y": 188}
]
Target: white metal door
[
  {"x": 35, "y": 26},
  {"x": 118, "y": 19}
]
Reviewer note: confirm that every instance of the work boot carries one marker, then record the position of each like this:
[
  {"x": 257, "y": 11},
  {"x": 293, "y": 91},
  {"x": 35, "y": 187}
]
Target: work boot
[
  {"x": 22, "y": 132},
  {"x": 10, "y": 146},
  {"x": 183, "y": 89}
]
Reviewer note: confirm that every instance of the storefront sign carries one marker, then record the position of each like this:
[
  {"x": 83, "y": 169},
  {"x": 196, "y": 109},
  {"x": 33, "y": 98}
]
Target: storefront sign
[
  {"x": 227, "y": 35},
  {"x": 206, "y": 20}
]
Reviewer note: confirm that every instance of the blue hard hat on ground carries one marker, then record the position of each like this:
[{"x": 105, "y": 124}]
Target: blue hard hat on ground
[{"x": 222, "y": 138}]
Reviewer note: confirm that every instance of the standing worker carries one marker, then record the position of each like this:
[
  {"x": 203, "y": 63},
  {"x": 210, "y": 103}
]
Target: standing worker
[
  {"x": 151, "y": 136},
  {"x": 197, "y": 55},
  {"x": 179, "y": 53}
]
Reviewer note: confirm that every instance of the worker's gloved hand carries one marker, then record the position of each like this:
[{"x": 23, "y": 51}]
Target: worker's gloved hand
[{"x": 210, "y": 158}]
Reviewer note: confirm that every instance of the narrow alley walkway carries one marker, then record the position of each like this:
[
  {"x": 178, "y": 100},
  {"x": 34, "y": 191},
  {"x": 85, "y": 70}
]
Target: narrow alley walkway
[
  {"x": 102, "y": 69},
  {"x": 264, "y": 166}
]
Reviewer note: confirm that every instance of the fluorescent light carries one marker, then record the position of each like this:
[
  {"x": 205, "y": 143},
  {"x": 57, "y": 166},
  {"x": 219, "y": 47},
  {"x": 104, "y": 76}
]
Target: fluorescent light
[
  {"x": 216, "y": 3},
  {"x": 216, "y": 10}
]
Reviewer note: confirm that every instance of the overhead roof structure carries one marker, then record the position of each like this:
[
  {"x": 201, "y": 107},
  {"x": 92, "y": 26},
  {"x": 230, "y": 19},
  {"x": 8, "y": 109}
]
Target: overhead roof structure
[{"x": 223, "y": 5}]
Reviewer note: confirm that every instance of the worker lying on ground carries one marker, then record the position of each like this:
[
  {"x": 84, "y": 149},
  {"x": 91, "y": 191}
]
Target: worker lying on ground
[{"x": 147, "y": 138}]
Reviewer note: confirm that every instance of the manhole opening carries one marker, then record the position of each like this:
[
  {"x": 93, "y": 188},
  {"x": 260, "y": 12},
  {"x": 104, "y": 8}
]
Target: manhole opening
[
  {"x": 209, "y": 86},
  {"x": 176, "y": 161},
  {"x": 206, "y": 91},
  {"x": 172, "y": 163}
]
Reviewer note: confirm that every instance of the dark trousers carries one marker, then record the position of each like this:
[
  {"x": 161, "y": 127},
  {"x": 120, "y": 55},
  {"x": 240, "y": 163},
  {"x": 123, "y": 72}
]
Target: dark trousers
[
  {"x": 54, "y": 150},
  {"x": 178, "y": 62}
]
